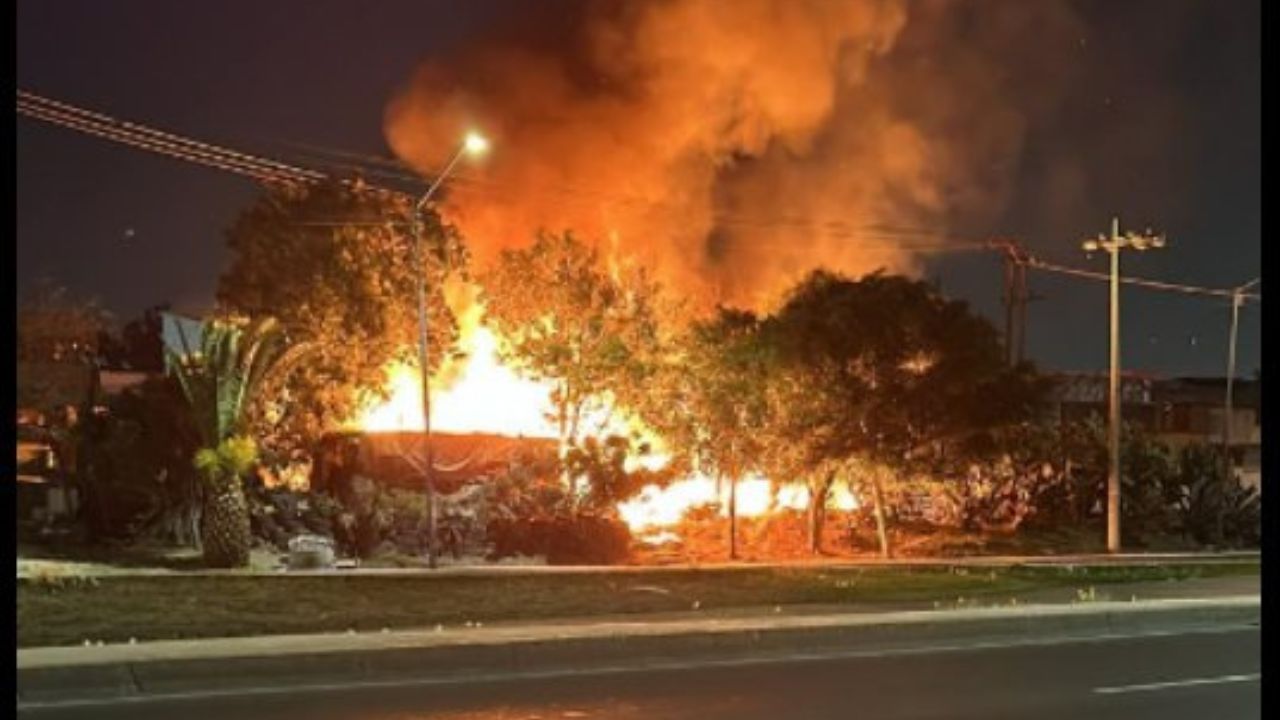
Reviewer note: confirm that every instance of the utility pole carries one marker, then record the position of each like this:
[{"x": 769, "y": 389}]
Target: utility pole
[
  {"x": 1025, "y": 296},
  {"x": 1008, "y": 299},
  {"x": 1237, "y": 299},
  {"x": 1015, "y": 298},
  {"x": 1113, "y": 246}
]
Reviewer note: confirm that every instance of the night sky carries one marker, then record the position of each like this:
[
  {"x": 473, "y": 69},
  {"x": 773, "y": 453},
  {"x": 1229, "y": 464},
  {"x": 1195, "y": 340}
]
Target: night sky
[{"x": 135, "y": 229}]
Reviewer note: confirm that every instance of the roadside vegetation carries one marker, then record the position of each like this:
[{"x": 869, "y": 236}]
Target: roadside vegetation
[
  {"x": 62, "y": 609},
  {"x": 876, "y": 385}
]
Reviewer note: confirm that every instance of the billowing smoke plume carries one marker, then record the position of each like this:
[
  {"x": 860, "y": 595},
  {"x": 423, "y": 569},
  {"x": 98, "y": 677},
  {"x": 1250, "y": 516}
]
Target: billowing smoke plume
[{"x": 734, "y": 145}]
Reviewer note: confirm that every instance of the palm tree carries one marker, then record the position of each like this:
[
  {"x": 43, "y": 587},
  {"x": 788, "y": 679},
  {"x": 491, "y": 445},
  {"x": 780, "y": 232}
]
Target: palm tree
[{"x": 236, "y": 359}]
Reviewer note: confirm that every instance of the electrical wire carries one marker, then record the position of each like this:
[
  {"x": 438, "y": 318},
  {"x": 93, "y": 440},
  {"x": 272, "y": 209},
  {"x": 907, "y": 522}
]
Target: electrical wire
[
  {"x": 174, "y": 150},
  {"x": 267, "y": 170},
  {"x": 1142, "y": 282},
  {"x": 63, "y": 113},
  {"x": 273, "y": 171}
]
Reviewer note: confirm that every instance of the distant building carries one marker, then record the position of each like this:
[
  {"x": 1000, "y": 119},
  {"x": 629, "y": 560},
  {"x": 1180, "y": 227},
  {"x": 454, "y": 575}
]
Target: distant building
[
  {"x": 182, "y": 335},
  {"x": 1192, "y": 410},
  {"x": 1079, "y": 396},
  {"x": 1178, "y": 411},
  {"x": 48, "y": 394}
]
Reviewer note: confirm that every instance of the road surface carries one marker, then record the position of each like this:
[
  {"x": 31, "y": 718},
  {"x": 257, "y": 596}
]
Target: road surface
[{"x": 1201, "y": 674}]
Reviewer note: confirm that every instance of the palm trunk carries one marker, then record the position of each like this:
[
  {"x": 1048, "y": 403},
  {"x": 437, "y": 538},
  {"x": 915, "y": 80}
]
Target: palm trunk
[{"x": 224, "y": 527}]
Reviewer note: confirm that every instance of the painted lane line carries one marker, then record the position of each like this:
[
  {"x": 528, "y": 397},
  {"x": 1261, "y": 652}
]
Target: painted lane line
[
  {"x": 607, "y": 670},
  {"x": 1191, "y": 682}
]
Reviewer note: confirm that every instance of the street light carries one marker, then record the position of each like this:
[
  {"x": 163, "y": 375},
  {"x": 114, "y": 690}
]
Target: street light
[
  {"x": 473, "y": 144},
  {"x": 1113, "y": 245}
]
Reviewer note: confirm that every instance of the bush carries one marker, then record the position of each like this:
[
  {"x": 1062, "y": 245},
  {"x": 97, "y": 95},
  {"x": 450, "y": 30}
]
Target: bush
[
  {"x": 563, "y": 540},
  {"x": 1014, "y": 476},
  {"x": 1146, "y": 509},
  {"x": 1211, "y": 507}
]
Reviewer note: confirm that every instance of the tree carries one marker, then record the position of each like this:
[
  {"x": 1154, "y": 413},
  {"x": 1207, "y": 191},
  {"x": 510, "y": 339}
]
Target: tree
[
  {"x": 883, "y": 371},
  {"x": 709, "y": 400},
  {"x": 335, "y": 264},
  {"x": 236, "y": 359},
  {"x": 57, "y": 351},
  {"x": 602, "y": 463},
  {"x": 563, "y": 318},
  {"x": 54, "y": 326},
  {"x": 151, "y": 444},
  {"x": 140, "y": 345}
]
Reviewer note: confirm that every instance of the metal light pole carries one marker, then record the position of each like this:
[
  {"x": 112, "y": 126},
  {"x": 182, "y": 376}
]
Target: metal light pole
[
  {"x": 1237, "y": 299},
  {"x": 1113, "y": 246},
  {"x": 473, "y": 145}
]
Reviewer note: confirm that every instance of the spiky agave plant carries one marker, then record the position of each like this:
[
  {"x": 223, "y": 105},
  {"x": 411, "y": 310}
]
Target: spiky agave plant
[{"x": 235, "y": 359}]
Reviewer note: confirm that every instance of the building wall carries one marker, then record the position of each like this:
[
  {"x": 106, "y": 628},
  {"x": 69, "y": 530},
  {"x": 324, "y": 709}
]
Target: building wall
[{"x": 1179, "y": 412}]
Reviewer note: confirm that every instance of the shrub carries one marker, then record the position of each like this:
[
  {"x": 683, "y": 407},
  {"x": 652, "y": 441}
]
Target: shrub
[
  {"x": 563, "y": 540},
  {"x": 1210, "y": 506}
]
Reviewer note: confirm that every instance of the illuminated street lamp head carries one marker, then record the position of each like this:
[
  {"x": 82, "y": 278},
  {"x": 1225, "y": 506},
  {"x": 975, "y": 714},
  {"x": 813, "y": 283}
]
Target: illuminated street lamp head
[
  {"x": 475, "y": 144},
  {"x": 1091, "y": 246}
]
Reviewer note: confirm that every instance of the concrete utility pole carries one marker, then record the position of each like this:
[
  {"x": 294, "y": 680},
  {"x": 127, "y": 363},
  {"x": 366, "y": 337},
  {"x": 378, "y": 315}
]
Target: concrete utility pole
[
  {"x": 1237, "y": 299},
  {"x": 474, "y": 145},
  {"x": 1113, "y": 246}
]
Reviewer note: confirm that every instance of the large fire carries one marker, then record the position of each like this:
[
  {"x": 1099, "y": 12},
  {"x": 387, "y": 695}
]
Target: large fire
[
  {"x": 484, "y": 395},
  {"x": 657, "y": 507}
]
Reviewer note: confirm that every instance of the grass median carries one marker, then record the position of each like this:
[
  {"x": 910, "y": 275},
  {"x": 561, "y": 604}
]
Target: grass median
[{"x": 71, "y": 610}]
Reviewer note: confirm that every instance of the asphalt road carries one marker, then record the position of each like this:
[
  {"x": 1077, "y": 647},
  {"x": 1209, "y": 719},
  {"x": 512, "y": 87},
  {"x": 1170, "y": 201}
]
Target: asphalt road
[{"x": 1205, "y": 674}]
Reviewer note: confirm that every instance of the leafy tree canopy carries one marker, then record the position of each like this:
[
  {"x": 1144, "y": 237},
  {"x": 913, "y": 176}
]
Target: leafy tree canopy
[
  {"x": 708, "y": 399},
  {"x": 335, "y": 263},
  {"x": 885, "y": 367},
  {"x": 564, "y": 317},
  {"x": 55, "y": 326},
  {"x": 140, "y": 344}
]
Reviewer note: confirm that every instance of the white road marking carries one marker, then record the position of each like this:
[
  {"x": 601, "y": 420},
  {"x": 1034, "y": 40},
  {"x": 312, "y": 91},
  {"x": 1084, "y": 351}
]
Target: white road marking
[
  {"x": 638, "y": 667},
  {"x": 1191, "y": 682}
]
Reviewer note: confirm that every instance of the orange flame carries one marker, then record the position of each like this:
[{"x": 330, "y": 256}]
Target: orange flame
[
  {"x": 485, "y": 396},
  {"x": 478, "y": 393},
  {"x": 655, "y": 508}
]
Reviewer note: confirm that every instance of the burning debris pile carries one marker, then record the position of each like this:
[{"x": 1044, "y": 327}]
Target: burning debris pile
[{"x": 701, "y": 536}]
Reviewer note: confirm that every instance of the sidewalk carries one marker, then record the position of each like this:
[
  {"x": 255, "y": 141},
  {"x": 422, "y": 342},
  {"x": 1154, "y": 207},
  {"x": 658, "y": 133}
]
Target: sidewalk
[{"x": 301, "y": 662}]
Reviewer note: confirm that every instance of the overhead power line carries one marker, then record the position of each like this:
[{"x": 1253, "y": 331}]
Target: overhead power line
[
  {"x": 1141, "y": 282},
  {"x": 143, "y": 137},
  {"x": 268, "y": 170},
  {"x": 136, "y": 135}
]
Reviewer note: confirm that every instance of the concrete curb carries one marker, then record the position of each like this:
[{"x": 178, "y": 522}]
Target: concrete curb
[
  {"x": 982, "y": 561},
  {"x": 52, "y": 675}
]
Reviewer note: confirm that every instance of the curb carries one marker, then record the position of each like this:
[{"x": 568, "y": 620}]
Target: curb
[
  {"x": 980, "y": 561},
  {"x": 46, "y": 678}
]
